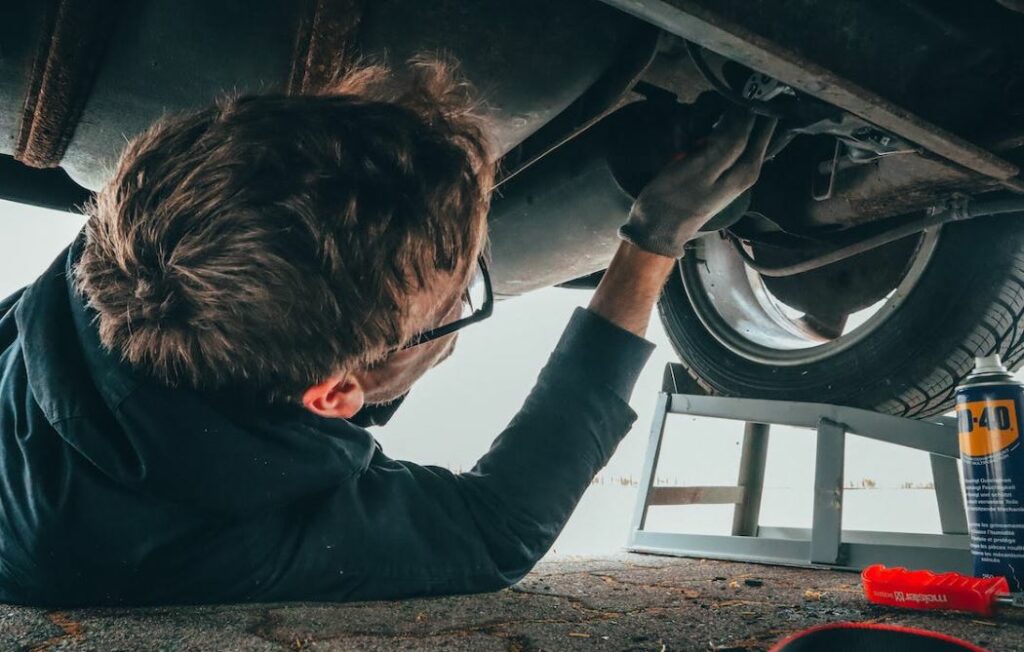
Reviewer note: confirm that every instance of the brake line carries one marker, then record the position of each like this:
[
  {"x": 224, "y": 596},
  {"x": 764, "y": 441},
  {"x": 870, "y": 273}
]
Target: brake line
[{"x": 959, "y": 210}]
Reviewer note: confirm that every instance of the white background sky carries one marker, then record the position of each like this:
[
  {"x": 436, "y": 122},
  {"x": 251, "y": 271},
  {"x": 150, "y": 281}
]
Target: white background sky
[{"x": 455, "y": 412}]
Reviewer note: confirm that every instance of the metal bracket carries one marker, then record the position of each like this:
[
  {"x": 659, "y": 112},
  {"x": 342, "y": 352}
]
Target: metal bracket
[{"x": 705, "y": 23}]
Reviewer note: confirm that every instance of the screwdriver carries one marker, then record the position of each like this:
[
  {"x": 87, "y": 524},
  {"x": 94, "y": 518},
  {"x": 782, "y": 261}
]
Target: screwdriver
[{"x": 922, "y": 589}]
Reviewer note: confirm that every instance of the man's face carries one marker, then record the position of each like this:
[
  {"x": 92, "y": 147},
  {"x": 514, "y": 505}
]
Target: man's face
[{"x": 440, "y": 303}]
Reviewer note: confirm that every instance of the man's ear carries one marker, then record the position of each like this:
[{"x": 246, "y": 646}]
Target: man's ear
[{"x": 338, "y": 397}]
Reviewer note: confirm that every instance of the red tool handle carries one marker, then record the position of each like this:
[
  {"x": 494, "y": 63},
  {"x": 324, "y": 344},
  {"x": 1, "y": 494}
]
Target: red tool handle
[{"x": 899, "y": 587}]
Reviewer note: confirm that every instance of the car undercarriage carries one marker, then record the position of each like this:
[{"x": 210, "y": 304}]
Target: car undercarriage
[{"x": 878, "y": 253}]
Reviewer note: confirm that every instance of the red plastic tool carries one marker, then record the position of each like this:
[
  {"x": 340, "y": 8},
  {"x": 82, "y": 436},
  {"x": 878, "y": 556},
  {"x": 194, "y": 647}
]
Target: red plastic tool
[{"x": 922, "y": 589}]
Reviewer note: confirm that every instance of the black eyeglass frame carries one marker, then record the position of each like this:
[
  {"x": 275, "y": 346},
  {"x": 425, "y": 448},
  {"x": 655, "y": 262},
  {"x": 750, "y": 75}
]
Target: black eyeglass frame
[{"x": 481, "y": 314}]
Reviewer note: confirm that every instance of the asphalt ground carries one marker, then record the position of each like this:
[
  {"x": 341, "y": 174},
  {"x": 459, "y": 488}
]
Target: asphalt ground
[{"x": 623, "y": 602}]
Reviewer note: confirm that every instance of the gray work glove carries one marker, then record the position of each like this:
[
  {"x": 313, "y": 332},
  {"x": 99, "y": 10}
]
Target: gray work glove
[{"x": 688, "y": 192}]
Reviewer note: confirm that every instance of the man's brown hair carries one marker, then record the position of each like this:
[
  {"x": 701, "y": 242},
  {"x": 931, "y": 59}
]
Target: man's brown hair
[{"x": 270, "y": 241}]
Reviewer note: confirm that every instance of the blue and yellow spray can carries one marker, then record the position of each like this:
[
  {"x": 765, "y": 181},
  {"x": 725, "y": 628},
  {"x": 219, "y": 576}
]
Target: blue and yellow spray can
[{"x": 989, "y": 409}]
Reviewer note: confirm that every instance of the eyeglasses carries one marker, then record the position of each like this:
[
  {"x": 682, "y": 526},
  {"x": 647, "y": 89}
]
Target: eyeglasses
[{"x": 477, "y": 305}]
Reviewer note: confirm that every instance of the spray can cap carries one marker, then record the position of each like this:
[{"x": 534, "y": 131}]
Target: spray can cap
[
  {"x": 989, "y": 370},
  {"x": 989, "y": 364}
]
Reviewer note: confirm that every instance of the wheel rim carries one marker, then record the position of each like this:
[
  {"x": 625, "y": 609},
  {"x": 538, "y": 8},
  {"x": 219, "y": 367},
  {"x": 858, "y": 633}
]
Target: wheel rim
[{"x": 736, "y": 307}]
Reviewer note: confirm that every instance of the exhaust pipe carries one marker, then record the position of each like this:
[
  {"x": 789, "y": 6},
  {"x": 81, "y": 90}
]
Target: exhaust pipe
[{"x": 558, "y": 220}]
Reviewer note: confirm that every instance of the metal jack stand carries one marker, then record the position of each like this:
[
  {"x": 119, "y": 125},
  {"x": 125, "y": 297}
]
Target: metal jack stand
[{"x": 825, "y": 544}]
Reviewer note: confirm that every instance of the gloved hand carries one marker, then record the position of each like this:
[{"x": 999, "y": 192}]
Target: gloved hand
[{"x": 688, "y": 192}]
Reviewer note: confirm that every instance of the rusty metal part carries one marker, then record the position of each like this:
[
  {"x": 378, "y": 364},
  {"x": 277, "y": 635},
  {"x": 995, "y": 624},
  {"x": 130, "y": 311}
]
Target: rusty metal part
[
  {"x": 73, "y": 43},
  {"x": 960, "y": 210},
  {"x": 895, "y": 185},
  {"x": 325, "y": 43},
  {"x": 887, "y": 187},
  {"x": 698, "y": 21}
]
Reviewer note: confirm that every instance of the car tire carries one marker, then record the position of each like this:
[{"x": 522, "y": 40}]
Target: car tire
[{"x": 968, "y": 301}]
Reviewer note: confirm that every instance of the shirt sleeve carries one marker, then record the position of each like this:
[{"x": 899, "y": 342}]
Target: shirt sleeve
[
  {"x": 400, "y": 529},
  {"x": 8, "y": 328}
]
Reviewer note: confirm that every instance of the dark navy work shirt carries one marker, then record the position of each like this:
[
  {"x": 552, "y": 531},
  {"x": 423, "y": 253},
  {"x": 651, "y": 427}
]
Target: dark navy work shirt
[{"x": 117, "y": 490}]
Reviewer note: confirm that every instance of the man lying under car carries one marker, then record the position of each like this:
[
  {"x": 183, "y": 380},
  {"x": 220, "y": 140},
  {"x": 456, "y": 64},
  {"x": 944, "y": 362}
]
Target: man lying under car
[{"x": 184, "y": 392}]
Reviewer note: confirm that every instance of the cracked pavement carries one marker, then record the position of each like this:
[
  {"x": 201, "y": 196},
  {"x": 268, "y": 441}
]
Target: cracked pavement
[{"x": 625, "y": 602}]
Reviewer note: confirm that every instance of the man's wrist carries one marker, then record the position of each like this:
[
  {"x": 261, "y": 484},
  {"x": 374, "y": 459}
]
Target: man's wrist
[{"x": 630, "y": 287}]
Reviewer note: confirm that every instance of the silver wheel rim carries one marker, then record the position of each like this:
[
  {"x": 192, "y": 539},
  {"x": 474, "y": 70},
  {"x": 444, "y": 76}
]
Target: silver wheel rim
[{"x": 734, "y": 305}]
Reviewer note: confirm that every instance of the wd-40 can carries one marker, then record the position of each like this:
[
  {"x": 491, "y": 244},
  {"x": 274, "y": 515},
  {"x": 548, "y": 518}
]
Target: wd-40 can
[{"x": 988, "y": 410}]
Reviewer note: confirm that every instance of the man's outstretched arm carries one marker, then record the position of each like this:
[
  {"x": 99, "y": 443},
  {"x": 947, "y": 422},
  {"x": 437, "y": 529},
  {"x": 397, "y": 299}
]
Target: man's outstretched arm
[{"x": 399, "y": 529}]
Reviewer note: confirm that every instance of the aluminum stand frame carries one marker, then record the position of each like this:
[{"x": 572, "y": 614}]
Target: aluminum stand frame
[{"x": 825, "y": 544}]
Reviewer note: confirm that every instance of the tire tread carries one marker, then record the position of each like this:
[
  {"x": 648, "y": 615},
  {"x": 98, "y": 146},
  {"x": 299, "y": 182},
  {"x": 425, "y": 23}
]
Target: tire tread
[{"x": 991, "y": 285}]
